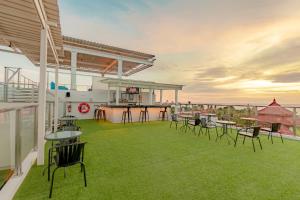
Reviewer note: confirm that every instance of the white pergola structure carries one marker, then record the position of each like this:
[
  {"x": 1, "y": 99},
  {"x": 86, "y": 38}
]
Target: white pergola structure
[
  {"x": 87, "y": 56},
  {"x": 32, "y": 28},
  {"x": 124, "y": 83}
]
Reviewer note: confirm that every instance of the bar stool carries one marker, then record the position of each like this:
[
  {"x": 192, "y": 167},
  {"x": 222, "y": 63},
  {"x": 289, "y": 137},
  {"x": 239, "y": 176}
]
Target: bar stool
[
  {"x": 96, "y": 113},
  {"x": 163, "y": 114},
  {"x": 101, "y": 114},
  {"x": 127, "y": 115},
  {"x": 144, "y": 114}
]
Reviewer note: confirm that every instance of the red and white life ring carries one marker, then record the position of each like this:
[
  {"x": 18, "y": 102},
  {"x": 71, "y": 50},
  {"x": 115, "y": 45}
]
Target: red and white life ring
[{"x": 84, "y": 107}]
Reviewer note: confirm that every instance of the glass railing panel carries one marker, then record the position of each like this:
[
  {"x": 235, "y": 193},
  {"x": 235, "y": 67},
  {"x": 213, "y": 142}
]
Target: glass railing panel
[
  {"x": 6, "y": 147},
  {"x": 27, "y": 129}
]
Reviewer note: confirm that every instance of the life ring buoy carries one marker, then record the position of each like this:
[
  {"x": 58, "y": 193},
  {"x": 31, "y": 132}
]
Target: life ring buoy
[{"x": 84, "y": 107}]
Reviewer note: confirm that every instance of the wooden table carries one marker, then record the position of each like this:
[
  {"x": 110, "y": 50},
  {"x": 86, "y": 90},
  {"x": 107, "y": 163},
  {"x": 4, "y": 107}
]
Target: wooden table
[
  {"x": 225, "y": 125},
  {"x": 249, "y": 120}
]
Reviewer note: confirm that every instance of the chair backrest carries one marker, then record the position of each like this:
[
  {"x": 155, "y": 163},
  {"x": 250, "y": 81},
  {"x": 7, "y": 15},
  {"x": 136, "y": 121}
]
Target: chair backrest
[
  {"x": 174, "y": 117},
  {"x": 275, "y": 127},
  {"x": 69, "y": 154},
  {"x": 256, "y": 130},
  {"x": 197, "y": 121},
  {"x": 70, "y": 128},
  {"x": 203, "y": 122}
]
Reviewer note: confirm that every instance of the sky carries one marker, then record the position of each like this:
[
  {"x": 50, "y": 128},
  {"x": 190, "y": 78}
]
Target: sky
[{"x": 229, "y": 51}]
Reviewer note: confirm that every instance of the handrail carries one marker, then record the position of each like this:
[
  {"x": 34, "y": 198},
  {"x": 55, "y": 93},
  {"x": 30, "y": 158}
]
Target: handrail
[{"x": 3, "y": 110}]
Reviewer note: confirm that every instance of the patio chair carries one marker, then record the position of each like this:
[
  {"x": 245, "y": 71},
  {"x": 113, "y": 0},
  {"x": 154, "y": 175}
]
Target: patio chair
[
  {"x": 66, "y": 156},
  {"x": 207, "y": 126},
  {"x": 174, "y": 119},
  {"x": 194, "y": 124},
  {"x": 252, "y": 133},
  {"x": 275, "y": 127}
]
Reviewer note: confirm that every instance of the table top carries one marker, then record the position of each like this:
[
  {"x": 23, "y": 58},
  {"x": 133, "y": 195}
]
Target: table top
[
  {"x": 209, "y": 114},
  {"x": 249, "y": 118},
  {"x": 68, "y": 118},
  {"x": 62, "y": 135},
  {"x": 186, "y": 116},
  {"x": 225, "y": 122}
]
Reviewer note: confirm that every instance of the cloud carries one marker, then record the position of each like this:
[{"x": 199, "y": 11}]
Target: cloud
[
  {"x": 287, "y": 78},
  {"x": 202, "y": 44}
]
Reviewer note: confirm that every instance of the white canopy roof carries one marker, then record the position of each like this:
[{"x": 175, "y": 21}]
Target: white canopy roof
[{"x": 116, "y": 82}]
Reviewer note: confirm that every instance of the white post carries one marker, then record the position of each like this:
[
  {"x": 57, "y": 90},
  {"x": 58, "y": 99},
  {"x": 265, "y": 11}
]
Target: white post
[
  {"x": 161, "y": 96},
  {"x": 56, "y": 99},
  {"x": 48, "y": 80},
  {"x": 150, "y": 96},
  {"x": 42, "y": 97},
  {"x": 120, "y": 68},
  {"x": 176, "y": 97},
  {"x": 108, "y": 95},
  {"x": 73, "y": 69},
  {"x": 117, "y": 95}
]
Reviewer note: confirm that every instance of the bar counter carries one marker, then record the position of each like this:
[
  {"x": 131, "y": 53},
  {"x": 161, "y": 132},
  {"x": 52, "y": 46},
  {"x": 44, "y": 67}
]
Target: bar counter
[{"x": 114, "y": 112}]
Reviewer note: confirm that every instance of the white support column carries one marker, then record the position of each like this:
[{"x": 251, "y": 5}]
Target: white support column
[
  {"x": 160, "y": 96},
  {"x": 150, "y": 96},
  {"x": 48, "y": 80},
  {"x": 73, "y": 70},
  {"x": 108, "y": 95},
  {"x": 176, "y": 97},
  {"x": 117, "y": 95},
  {"x": 56, "y": 99},
  {"x": 120, "y": 68},
  {"x": 42, "y": 97}
]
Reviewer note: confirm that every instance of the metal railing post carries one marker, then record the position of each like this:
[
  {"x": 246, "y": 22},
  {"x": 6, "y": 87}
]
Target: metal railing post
[
  {"x": 35, "y": 127},
  {"x": 294, "y": 121},
  {"x": 18, "y": 161}
]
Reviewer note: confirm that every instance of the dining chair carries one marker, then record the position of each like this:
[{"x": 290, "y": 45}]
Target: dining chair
[
  {"x": 194, "y": 124},
  {"x": 207, "y": 126},
  {"x": 275, "y": 127},
  {"x": 174, "y": 119},
  {"x": 252, "y": 132},
  {"x": 66, "y": 156}
]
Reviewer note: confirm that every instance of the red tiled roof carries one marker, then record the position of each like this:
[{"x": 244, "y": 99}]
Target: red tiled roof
[{"x": 275, "y": 109}]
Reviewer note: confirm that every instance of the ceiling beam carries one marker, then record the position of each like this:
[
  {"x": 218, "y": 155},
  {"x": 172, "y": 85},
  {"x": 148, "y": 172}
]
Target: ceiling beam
[
  {"x": 108, "y": 68},
  {"x": 43, "y": 17},
  {"x": 106, "y": 55}
]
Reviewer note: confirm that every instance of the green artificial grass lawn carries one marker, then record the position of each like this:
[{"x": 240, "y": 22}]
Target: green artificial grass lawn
[
  {"x": 3, "y": 174},
  {"x": 152, "y": 161}
]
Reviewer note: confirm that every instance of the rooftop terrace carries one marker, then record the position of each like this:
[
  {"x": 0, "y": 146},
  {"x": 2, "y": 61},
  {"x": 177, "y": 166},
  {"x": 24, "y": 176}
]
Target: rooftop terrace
[{"x": 153, "y": 161}]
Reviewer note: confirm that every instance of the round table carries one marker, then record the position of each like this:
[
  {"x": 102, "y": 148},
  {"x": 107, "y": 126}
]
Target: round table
[
  {"x": 186, "y": 120},
  {"x": 62, "y": 135},
  {"x": 225, "y": 124},
  {"x": 249, "y": 120}
]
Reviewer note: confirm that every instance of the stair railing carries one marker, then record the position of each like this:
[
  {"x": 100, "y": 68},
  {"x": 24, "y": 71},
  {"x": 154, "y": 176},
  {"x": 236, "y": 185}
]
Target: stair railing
[{"x": 14, "y": 78}]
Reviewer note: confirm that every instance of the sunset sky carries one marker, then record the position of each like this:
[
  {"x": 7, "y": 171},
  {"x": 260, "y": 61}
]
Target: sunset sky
[{"x": 237, "y": 51}]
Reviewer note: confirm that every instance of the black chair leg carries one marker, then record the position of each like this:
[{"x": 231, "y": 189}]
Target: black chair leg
[
  {"x": 253, "y": 145},
  {"x": 84, "y": 174},
  {"x": 259, "y": 143},
  {"x": 51, "y": 187},
  {"x": 281, "y": 138},
  {"x": 236, "y": 139},
  {"x": 208, "y": 132},
  {"x": 271, "y": 137}
]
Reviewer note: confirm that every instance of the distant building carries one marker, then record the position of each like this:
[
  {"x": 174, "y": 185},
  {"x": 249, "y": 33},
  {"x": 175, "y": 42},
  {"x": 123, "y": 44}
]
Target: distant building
[{"x": 275, "y": 113}]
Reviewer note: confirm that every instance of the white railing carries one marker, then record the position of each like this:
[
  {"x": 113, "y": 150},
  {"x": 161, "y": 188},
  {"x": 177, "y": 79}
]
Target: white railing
[
  {"x": 236, "y": 111},
  {"x": 18, "y": 135}
]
